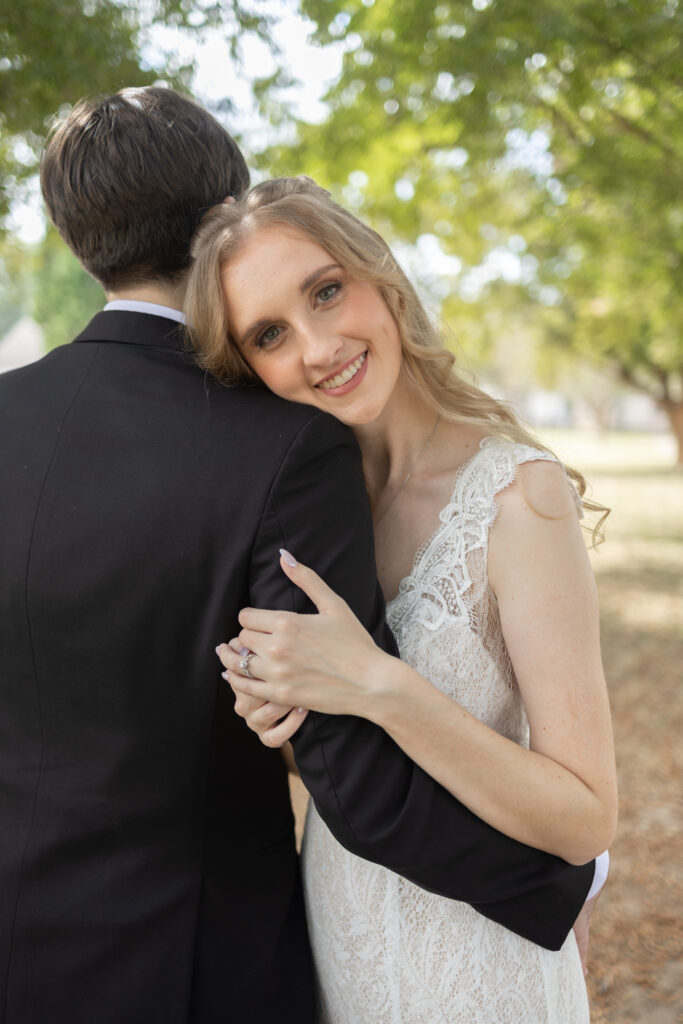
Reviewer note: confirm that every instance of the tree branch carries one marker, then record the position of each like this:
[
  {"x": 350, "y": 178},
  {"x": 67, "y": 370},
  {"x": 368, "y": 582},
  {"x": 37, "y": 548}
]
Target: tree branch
[
  {"x": 561, "y": 118},
  {"x": 619, "y": 48},
  {"x": 629, "y": 377},
  {"x": 638, "y": 130}
]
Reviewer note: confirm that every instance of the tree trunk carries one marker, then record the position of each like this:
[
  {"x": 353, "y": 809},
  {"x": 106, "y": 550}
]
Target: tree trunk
[{"x": 674, "y": 411}]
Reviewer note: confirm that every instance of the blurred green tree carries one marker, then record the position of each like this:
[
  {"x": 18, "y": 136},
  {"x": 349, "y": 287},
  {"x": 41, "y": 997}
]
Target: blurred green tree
[
  {"x": 541, "y": 144},
  {"x": 46, "y": 281},
  {"x": 62, "y": 297},
  {"x": 12, "y": 283}
]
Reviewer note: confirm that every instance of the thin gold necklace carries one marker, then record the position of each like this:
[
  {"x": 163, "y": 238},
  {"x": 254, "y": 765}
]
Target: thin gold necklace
[{"x": 410, "y": 472}]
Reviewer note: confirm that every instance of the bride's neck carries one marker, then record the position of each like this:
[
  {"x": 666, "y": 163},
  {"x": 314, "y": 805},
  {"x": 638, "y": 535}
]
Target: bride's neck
[{"x": 393, "y": 444}]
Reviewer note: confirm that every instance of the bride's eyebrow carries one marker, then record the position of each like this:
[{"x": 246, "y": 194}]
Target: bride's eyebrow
[
  {"x": 316, "y": 274},
  {"x": 253, "y": 329}
]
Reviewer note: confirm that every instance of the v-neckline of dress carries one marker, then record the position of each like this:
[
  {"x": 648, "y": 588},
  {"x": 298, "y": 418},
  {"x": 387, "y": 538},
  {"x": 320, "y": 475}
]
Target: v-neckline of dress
[{"x": 431, "y": 537}]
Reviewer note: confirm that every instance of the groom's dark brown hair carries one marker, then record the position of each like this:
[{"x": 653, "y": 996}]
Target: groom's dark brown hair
[{"x": 126, "y": 179}]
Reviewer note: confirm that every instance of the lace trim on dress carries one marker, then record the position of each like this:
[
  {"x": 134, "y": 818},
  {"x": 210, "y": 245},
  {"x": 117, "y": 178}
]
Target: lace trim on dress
[{"x": 440, "y": 586}]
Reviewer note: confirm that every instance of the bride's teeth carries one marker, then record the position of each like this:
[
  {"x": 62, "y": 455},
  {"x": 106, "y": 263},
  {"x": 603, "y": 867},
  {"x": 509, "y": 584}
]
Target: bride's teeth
[{"x": 346, "y": 375}]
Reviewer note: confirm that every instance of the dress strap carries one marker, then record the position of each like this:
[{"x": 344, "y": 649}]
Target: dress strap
[{"x": 493, "y": 468}]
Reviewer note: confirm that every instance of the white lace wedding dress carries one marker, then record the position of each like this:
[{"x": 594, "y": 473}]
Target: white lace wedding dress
[{"x": 386, "y": 951}]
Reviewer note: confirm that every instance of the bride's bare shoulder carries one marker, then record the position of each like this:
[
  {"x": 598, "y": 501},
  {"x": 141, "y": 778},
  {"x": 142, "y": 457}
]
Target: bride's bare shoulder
[{"x": 541, "y": 487}]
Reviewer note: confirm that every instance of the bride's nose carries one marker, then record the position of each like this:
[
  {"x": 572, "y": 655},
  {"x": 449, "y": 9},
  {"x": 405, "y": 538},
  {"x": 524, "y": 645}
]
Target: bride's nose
[{"x": 320, "y": 347}]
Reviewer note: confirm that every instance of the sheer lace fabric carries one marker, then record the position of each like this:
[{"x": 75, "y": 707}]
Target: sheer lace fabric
[{"x": 386, "y": 951}]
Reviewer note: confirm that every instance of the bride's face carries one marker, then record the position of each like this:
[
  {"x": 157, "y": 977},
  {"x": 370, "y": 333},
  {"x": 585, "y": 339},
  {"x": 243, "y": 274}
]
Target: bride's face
[{"x": 309, "y": 330}]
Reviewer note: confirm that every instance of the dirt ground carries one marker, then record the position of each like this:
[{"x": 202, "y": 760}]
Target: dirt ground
[{"x": 636, "y": 954}]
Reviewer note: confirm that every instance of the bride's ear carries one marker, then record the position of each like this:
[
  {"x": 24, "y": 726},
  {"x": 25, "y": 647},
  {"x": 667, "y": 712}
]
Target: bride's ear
[{"x": 229, "y": 200}]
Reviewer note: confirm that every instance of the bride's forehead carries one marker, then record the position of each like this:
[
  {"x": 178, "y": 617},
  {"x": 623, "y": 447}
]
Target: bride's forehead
[
  {"x": 279, "y": 238},
  {"x": 278, "y": 257}
]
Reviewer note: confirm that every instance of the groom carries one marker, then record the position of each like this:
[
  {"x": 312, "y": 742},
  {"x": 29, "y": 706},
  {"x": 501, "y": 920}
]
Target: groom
[{"x": 148, "y": 873}]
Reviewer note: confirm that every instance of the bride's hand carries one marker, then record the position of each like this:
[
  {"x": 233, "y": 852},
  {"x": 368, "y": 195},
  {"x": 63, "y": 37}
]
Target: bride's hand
[
  {"x": 273, "y": 724},
  {"x": 582, "y": 927},
  {"x": 326, "y": 662}
]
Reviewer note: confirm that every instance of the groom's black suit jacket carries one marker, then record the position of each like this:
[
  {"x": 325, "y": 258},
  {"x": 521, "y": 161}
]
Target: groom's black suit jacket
[{"x": 147, "y": 865}]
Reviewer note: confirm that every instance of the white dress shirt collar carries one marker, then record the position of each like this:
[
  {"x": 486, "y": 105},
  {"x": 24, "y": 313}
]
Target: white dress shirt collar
[{"x": 152, "y": 308}]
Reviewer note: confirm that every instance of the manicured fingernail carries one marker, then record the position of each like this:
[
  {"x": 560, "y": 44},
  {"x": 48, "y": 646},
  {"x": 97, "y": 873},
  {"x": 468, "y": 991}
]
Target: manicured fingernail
[
  {"x": 218, "y": 649},
  {"x": 288, "y": 559},
  {"x": 226, "y": 676},
  {"x": 244, "y": 651},
  {"x": 302, "y": 711}
]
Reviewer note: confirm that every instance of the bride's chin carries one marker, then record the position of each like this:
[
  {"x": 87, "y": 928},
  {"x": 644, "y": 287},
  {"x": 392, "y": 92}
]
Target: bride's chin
[
  {"x": 359, "y": 420},
  {"x": 351, "y": 414}
]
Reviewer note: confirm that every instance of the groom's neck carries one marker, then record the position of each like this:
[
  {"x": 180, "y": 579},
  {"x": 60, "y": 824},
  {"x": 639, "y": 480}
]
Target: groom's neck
[{"x": 152, "y": 291}]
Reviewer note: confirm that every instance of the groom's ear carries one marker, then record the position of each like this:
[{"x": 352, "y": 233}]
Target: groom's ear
[{"x": 229, "y": 200}]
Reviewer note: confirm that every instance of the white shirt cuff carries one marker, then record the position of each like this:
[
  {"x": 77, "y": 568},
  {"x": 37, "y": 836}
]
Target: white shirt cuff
[{"x": 600, "y": 876}]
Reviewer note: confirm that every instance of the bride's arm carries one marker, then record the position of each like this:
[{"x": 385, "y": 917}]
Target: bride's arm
[{"x": 559, "y": 796}]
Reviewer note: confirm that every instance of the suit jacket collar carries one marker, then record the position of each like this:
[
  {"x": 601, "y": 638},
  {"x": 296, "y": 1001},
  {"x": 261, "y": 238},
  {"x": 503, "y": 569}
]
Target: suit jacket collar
[{"x": 135, "y": 329}]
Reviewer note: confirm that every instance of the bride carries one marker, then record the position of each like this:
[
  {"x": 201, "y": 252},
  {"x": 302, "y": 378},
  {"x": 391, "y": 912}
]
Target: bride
[{"x": 499, "y": 694}]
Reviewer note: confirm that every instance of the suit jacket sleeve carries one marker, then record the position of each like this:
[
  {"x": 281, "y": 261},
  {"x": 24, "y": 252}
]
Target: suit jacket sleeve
[{"x": 374, "y": 799}]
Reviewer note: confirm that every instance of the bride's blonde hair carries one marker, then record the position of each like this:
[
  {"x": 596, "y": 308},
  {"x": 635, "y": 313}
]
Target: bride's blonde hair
[{"x": 298, "y": 203}]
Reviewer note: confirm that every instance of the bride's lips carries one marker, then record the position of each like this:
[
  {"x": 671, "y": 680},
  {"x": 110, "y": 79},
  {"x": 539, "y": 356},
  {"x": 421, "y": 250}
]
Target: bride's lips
[{"x": 356, "y": 367}]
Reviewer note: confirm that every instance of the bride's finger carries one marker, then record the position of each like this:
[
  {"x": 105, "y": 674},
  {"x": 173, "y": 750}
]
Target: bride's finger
[
  {"x": 263, "y": 645},
  {"x": 281, "y": 733},
  {"x": 264, "y": 620},
  {"x": 238, "y": 665},
  {"x": 259, "y": 717},
  {"x": 246, "y": 705},
  {"x": 322, "y": 596},
  {"x": 224, "y": 650},
  {"x": 236, "y": 647}
]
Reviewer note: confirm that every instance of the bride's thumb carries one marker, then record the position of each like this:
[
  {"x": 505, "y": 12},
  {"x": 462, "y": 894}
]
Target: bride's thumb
[{"x": 313, "y": 587}]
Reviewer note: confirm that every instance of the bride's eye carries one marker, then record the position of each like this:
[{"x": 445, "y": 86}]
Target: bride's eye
[
  {"x": 268, "y": 336},
  {"x": 328, "y": 292}
]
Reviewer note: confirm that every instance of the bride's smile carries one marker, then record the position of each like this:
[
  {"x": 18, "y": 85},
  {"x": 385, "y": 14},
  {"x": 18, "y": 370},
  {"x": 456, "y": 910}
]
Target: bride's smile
[{"x": 348, "y": 373}]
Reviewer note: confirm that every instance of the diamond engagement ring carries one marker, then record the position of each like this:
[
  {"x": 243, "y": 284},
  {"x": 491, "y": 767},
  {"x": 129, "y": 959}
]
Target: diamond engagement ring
[{"x": 244, "y": 665}]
